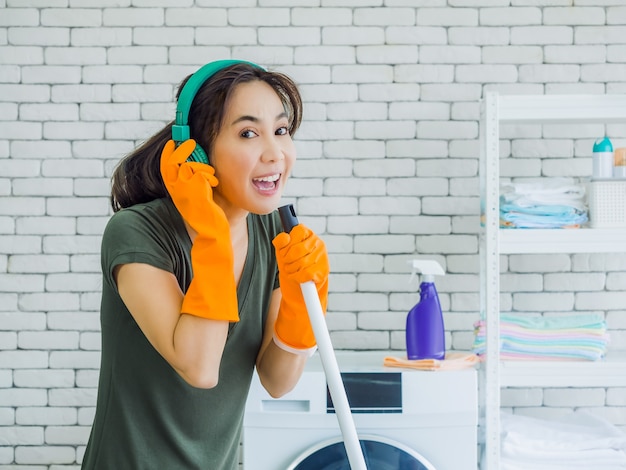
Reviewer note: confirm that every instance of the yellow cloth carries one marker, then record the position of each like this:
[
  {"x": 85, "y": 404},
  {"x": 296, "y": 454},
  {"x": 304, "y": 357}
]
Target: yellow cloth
[{"x": 454, "y": 360}]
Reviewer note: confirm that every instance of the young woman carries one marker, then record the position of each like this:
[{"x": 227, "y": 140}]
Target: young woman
[{"x": 200, "y": 283}]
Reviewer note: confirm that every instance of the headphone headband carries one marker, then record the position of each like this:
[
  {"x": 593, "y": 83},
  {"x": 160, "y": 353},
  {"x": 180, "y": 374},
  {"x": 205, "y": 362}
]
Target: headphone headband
[{"x": 180, "y": 128}]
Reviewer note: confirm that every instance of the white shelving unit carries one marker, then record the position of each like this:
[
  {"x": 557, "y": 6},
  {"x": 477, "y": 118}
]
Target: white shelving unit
[{"x": 611, "y": 372}]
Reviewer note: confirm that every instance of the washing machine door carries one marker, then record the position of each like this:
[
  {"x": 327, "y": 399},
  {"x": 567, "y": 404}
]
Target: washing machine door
[{"x": 379, "y": 452}]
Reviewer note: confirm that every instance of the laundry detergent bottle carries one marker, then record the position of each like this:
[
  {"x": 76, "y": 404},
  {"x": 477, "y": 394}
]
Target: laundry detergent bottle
[
  {"x": 602, "y": 159},
  {"x": 425, "y": 334}
]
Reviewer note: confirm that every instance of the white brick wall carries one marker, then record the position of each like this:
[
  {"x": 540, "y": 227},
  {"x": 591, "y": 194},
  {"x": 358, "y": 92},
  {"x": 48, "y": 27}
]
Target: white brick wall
[{"x": 388, "y": 168}]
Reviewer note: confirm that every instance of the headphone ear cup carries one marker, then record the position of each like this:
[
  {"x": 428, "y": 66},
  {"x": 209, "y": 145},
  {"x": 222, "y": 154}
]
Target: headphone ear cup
[{"x": 199, "y": 155}]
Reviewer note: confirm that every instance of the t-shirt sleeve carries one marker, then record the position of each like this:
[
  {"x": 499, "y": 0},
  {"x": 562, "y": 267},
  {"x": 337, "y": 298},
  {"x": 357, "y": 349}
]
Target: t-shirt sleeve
[{"x": 129, "y": 238}]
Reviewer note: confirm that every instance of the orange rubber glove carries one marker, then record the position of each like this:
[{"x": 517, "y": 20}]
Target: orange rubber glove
[
  {"x": 212, "y": 292},
  {"x": 301, "y": 256}
]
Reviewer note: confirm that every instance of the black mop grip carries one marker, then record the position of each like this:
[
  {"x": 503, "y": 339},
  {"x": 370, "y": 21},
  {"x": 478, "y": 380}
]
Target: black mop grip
[{"x": 288, "y": 217}]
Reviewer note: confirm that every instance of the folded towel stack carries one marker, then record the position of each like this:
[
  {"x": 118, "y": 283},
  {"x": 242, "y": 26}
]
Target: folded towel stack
[
  {"x": 578, "y": 440},
  {"x": 546, "y": 203},
  {"x": 568, "y": 337}
]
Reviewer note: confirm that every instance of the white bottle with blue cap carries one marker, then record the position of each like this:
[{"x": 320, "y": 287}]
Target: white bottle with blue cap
[{"x": 602, "y": 159}]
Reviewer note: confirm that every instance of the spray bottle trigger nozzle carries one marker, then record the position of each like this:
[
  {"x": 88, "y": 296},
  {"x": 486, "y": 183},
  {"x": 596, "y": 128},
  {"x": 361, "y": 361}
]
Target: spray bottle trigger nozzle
[{"x": 429, "y": 268}]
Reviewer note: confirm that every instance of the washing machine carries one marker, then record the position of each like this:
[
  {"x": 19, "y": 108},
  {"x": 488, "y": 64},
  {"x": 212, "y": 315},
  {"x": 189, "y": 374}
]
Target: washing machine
[{"x": 405, "y": 419}]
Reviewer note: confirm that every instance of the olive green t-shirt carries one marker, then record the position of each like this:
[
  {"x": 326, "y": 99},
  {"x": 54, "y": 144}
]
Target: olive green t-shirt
[{"x": 147, "y": 416}]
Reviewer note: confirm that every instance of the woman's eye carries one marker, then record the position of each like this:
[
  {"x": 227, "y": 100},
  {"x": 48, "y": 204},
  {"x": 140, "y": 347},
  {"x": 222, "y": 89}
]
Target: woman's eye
[
  {"x": 282, "y": 131},
  {"x": 248, "y": 134}
]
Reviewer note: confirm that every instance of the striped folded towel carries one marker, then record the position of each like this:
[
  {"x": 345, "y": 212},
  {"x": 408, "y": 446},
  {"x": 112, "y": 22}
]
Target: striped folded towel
[{"x": 568, "y": 337}]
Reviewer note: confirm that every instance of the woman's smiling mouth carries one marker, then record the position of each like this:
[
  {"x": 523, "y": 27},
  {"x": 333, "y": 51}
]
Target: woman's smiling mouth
[{"x": 266, "y": 183}]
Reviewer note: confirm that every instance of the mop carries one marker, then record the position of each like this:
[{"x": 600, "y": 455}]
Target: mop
[{"x": 327, "y": 355}]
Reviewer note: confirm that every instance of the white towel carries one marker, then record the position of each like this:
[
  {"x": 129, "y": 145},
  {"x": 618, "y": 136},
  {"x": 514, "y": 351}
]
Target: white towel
[
  {"x": 545, "y": 186},
  {"x": 578, "y": 440},
  {"x": 578, "y": 430},
  {"x": 546, "y": 191},
  {"x": 572, "y": 459}
]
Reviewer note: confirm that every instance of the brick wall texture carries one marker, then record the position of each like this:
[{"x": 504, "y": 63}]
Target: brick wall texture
[{"x": 387, "y": 169}]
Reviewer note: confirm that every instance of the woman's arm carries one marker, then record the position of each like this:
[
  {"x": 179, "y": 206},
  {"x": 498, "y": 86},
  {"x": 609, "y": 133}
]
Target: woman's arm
[
  {"x": 278, "y": 370},
  {"x": 192, "y": 345},
  {"x": 289, "y": 338}
]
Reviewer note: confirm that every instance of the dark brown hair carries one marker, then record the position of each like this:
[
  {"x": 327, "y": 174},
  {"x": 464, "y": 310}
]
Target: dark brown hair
[{"x": 137, "y": 177}]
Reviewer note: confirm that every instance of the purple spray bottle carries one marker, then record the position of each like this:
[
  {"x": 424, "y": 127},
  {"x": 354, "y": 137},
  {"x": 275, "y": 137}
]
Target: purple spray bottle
[{"x": 425, "y": 333}]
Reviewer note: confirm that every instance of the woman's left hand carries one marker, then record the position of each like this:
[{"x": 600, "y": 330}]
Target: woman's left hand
[{"x": 301, "y": 257}]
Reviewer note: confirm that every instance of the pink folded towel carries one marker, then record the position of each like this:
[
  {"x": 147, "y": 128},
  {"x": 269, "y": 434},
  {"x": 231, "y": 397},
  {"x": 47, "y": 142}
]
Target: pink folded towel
[{"x": 454, "y": 360}]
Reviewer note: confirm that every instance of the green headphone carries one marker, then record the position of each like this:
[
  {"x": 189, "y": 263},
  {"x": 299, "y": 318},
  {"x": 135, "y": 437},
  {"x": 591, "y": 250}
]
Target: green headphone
[{"x": 180, "y": 129}]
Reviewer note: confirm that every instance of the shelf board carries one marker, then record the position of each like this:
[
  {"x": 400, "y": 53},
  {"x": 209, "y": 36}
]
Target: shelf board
[
  {"x": 584, "y": 240},
  {"x": 561, "y": 108},
  {"x": 609, "y": 372}
]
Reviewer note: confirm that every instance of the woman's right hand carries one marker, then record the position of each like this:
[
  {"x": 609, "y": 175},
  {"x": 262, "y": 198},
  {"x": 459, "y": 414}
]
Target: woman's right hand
[
  {"x": 190, "y": 185},
  {"x": 212, "y": 293}
]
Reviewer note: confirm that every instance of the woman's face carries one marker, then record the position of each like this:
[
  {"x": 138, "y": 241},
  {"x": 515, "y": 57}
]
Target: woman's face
[{"x": 253, "y": 152}]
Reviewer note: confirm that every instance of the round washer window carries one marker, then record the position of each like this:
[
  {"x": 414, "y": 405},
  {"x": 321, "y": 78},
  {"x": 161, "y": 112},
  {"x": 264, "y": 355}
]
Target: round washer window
[{"x": 379, "y": 454}]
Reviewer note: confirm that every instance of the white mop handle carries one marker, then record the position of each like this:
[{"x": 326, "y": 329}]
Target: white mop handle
[{"x": 333, "y": 376}]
